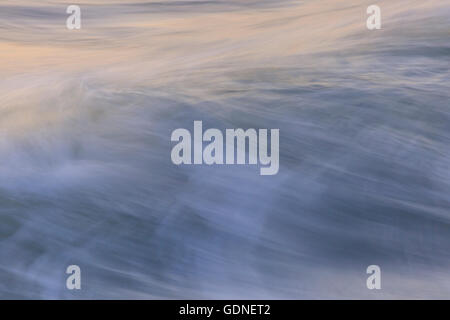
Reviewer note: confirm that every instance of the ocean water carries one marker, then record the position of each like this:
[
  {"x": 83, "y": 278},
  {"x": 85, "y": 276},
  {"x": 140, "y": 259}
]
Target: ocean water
[{"x": 86, "y": 176}]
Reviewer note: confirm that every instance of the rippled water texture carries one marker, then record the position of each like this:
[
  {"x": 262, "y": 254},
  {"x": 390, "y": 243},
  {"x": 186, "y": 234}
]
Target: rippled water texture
[{"x": 85, "y": 170}]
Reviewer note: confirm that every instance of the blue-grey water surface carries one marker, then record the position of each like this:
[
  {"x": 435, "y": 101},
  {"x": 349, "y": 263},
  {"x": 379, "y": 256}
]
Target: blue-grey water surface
[{"x": 86, "y": 176}]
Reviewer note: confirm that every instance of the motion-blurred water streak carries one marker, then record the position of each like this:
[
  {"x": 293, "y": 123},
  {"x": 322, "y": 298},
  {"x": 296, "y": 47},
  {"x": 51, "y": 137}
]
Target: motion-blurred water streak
[{"x": 85, "y": 170}]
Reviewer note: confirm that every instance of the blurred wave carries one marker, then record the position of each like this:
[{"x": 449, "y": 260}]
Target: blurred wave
[{"x": 85, "y": 170}]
